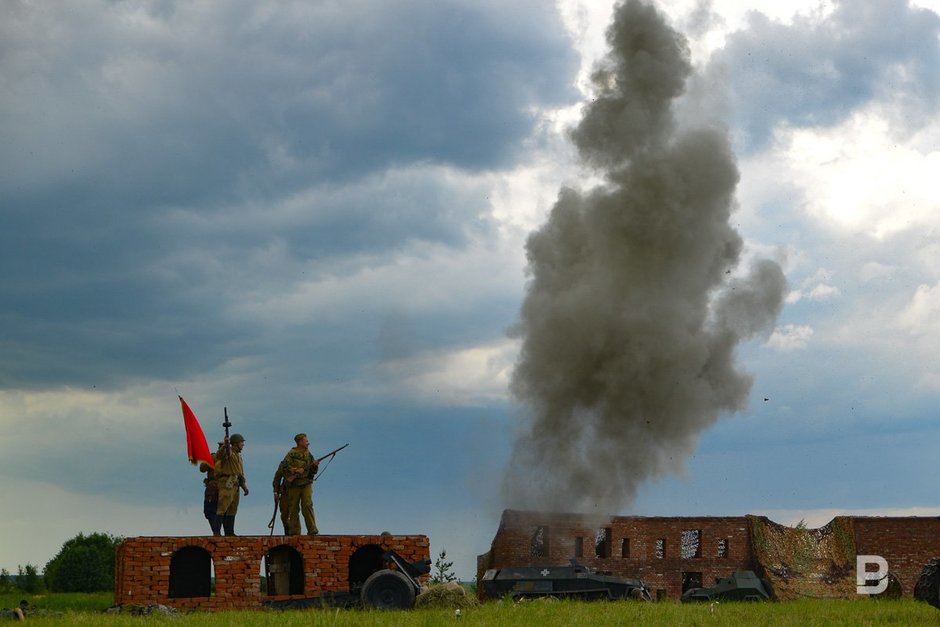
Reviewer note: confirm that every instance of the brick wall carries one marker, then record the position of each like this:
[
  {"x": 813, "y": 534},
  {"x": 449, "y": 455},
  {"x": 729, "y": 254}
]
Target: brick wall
[
  {"x": 513, "y": 546},
  {"x": 906, "y": 543},
  {"x": 142, "y": 569}
]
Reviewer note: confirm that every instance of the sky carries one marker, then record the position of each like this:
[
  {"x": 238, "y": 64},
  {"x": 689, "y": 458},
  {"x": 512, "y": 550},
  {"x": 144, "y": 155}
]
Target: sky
[{"x": 315, "y": 215}]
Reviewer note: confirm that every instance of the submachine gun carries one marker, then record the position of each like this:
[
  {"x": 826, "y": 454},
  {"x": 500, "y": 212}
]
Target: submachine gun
[{"x": 226, "y": 424}]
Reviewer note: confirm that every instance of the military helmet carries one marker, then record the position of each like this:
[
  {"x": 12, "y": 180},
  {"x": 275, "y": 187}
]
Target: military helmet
[{"x": 236, "y": 438}]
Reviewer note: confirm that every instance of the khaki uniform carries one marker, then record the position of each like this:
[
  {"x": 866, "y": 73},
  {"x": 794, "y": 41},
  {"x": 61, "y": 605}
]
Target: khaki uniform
[
  {"x": 230, "y": 473},
  {"x": 298, "y": 468}
]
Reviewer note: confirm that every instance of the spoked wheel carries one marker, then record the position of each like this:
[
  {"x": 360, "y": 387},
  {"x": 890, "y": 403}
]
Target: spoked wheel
[{"x": 388, "y": 590}]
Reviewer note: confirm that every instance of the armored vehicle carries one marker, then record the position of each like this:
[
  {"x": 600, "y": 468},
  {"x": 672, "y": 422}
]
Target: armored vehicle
[
  {"x": 574, "y": 581},
  {"x": 743, "y": 585}
]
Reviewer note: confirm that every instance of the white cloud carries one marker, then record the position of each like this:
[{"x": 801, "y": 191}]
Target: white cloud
[
  {"x": 873, "y": 271},
  {"x": 861, "y": 176},
  {"x": 793, "y": 297},
  {"x": 922, "y": 314},
  {"x": 790, "y": 337},
  {"x": 823, "y": 292},
  {"x": 44, "y": 516},
  {"x": 462, "y": 377}
]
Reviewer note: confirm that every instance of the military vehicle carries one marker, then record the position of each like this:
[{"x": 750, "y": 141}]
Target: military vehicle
[
  {"x": 743, "y": 585},
  {"x": 927, "y": 588},
  {"x": 574, "y": 581}
]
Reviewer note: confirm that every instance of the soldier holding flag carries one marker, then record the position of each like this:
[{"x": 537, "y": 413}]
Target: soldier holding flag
[
  {"x": 230, "y": 473},
  {"x": 225, "y": 473}
]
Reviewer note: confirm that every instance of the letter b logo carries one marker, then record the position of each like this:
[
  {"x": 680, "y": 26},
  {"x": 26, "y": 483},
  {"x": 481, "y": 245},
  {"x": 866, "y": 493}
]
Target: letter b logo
[{"x": 862, "y": 576}]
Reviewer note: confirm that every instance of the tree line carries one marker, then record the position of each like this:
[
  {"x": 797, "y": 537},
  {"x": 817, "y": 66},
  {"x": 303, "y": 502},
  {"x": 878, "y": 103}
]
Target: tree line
[{"x": 85, "y": 563}]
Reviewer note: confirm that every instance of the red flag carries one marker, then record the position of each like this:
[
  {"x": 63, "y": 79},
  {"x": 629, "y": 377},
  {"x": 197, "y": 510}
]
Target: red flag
[{"x": 196, "y": 446}]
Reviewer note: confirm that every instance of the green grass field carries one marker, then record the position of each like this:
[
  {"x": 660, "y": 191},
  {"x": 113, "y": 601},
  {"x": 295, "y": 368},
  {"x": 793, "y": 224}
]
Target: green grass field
[{"x": 85, "y": 609}]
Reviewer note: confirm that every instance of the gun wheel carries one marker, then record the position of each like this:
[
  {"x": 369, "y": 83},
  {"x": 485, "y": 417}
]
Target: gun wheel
[{"x": 388, "y": 590}]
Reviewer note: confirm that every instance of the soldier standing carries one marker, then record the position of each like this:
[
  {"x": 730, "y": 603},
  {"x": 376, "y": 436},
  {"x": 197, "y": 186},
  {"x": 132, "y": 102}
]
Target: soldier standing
[
  {"x": 280, "y": 494},
  {"x": 210, "y": 499},
  {"x": 298, "y": 469},
  {"x": 230, "y": 473}
]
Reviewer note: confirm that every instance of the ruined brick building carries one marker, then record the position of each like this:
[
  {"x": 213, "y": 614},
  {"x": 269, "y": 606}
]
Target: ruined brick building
[
  {"x": 672, "y": 554},
  {"x": 178, "y": 571}
]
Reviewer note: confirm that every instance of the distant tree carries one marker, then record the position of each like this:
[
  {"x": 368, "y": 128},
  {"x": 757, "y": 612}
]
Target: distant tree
[
  {"x": 83, "y": 564},
  {"x": 6, "y": 580},
  {"x": 442, "y": 569},
  {"x": 27, "y": 579}
]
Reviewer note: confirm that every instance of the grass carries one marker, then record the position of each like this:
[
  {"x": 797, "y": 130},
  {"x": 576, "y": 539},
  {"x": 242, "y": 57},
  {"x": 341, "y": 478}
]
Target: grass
[
  {"x": 85, "y": 609},
  {"x": 60, "y": 601}
]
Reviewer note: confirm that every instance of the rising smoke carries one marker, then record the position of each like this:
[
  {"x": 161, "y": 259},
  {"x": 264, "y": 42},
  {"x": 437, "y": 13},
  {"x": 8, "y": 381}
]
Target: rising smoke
[{"x": 635, "y": 304}]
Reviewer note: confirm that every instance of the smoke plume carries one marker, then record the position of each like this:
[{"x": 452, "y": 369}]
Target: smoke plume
[{"x": 635, "y": 304}]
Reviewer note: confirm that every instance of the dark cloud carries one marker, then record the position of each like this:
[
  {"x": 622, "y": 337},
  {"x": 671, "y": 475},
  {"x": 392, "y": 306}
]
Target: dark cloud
[
  {"x": 231, "y": 98},
  {"x": 814, "y": 73},
  {"x": 164, "y": 164}
]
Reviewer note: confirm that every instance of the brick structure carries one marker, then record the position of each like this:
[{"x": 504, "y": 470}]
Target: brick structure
[
  {"x": 176, "y": 571},
  {"x": 671, "y": 554},
  {"x": 906, "y": 543}
]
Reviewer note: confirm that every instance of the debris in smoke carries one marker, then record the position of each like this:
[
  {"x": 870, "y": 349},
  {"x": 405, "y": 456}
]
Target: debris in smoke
[{"x": 636, "y": 304}]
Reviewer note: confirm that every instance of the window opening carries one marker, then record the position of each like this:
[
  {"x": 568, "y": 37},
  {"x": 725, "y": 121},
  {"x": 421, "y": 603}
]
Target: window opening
[
  {"x": 602, "y": 539},
  {"x": 691, "y": 545},
  {"x": 190, "y": 573},
  {"x": 538, "y": 545}
]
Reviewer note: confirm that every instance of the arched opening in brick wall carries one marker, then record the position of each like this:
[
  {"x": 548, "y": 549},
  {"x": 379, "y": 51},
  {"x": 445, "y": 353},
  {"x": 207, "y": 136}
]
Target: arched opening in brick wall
[
  {"x": 365, "y": 561},
  {"x": 283, "y": 571},
  {"x": 190, "y": 573}
]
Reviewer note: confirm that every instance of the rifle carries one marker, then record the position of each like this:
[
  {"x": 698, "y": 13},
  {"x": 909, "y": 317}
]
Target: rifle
[
  {"x": 277, "y": 502},
  {"x": 331, "y": 455},
  {"x": 226, "y": 424}
]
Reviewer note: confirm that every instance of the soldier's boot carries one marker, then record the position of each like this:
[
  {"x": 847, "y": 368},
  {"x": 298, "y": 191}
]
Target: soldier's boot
[
  {"x": 228, "y": 524},
  {"x": 216, "y": 524}
]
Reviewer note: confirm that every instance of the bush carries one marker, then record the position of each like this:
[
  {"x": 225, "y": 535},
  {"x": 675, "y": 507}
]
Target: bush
[
  {"x": 83, "y": 564},
  {"x": 27, "y": 579}
]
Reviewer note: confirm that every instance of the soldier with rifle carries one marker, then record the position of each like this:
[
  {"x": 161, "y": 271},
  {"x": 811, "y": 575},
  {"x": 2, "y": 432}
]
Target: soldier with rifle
[
  {"x": 280, "y": 501},
  {"x": 294, "y": 485},
  {"x": 230, "y": 474}
]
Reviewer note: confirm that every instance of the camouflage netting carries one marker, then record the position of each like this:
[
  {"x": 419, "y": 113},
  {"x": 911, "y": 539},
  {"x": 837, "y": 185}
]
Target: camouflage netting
[{"x": 799, "y": 562}]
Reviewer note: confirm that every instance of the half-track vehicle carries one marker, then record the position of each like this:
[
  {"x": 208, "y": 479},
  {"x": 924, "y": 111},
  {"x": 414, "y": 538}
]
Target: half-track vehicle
[{"x": 573, "y": 581}]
